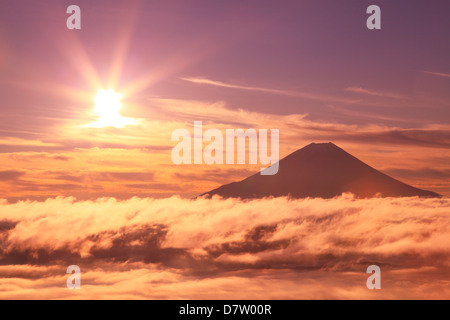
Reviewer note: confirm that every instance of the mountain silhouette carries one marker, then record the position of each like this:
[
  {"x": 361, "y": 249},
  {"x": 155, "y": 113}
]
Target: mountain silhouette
[{"x": 320, "y": 170}]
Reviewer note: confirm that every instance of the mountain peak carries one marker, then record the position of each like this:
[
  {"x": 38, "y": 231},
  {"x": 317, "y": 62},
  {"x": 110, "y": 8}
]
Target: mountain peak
[
  {"x": 320, "y": 170},
  {"x": 321, "y": 144},
  {"x": 321, "y": 147}
]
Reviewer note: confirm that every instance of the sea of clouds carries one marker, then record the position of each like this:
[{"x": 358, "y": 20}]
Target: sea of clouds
[{"x": 225, "y": 249}]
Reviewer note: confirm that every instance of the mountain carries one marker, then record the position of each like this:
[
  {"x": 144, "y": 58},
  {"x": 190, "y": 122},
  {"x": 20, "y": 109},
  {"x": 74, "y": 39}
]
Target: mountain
[{"x": 320, "y": 170}]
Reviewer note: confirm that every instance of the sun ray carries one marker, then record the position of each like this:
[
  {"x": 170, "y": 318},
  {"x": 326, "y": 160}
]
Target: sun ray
[{"x": 123, "y": 44}]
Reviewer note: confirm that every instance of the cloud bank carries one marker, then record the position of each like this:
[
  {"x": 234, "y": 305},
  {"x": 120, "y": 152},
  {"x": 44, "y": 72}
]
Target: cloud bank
[{"x": 212, "y": 248}]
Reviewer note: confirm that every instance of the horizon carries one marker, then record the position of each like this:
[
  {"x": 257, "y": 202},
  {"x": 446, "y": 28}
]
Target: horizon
[{"x": 251, "y": 174}]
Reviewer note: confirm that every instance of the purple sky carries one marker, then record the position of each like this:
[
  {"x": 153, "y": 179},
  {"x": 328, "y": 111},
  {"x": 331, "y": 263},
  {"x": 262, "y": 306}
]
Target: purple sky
[{"x": 322, "y": 48}]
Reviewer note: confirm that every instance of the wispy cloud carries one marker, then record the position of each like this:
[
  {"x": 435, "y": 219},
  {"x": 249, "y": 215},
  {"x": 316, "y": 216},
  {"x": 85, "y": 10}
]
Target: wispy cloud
[
  {"x": 303, "y": 95},
  {"x": 10, "y": 175},
  {"x": 374, "y": 93},
  {"x": 438, "y": 74}
]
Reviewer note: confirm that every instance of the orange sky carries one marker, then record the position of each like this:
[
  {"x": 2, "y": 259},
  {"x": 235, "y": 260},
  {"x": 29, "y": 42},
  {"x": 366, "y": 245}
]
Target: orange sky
[{"x": 73, "y": 160}]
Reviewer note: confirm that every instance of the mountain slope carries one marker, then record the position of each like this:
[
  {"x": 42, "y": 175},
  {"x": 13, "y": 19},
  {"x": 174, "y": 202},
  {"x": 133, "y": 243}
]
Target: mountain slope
[{"x": 320, "y": 170}]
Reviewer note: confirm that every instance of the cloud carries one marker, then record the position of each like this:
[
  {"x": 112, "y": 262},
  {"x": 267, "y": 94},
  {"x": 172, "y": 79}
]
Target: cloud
[
  {"x": 226, "y": 85},
  {"x": 10, "y": 175},
  {"x": 303, "y": 95},
  {"x": 296, "y": 126},
  {"x": 424, "y": 173},
  {"x": 38, "y": 156},
  {"x": 374, "y": 93},
  {"x": 214, "y": 175},
  {"x": 6, "y": 225},
  {"x": 128, "y": 176},
  {"x": 157, "y": 186},
  {"x": 313, "y": 248},
  {"x": 438, "y": 74}
]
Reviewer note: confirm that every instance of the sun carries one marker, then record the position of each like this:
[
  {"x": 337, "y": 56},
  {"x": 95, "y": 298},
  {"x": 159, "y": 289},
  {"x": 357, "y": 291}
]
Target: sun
[
  {"x": 107, "y": 107},
  {"x": 107, "y": 103}
]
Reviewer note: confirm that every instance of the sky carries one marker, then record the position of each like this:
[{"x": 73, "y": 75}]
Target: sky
[{"x": 309, "y": 68}]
